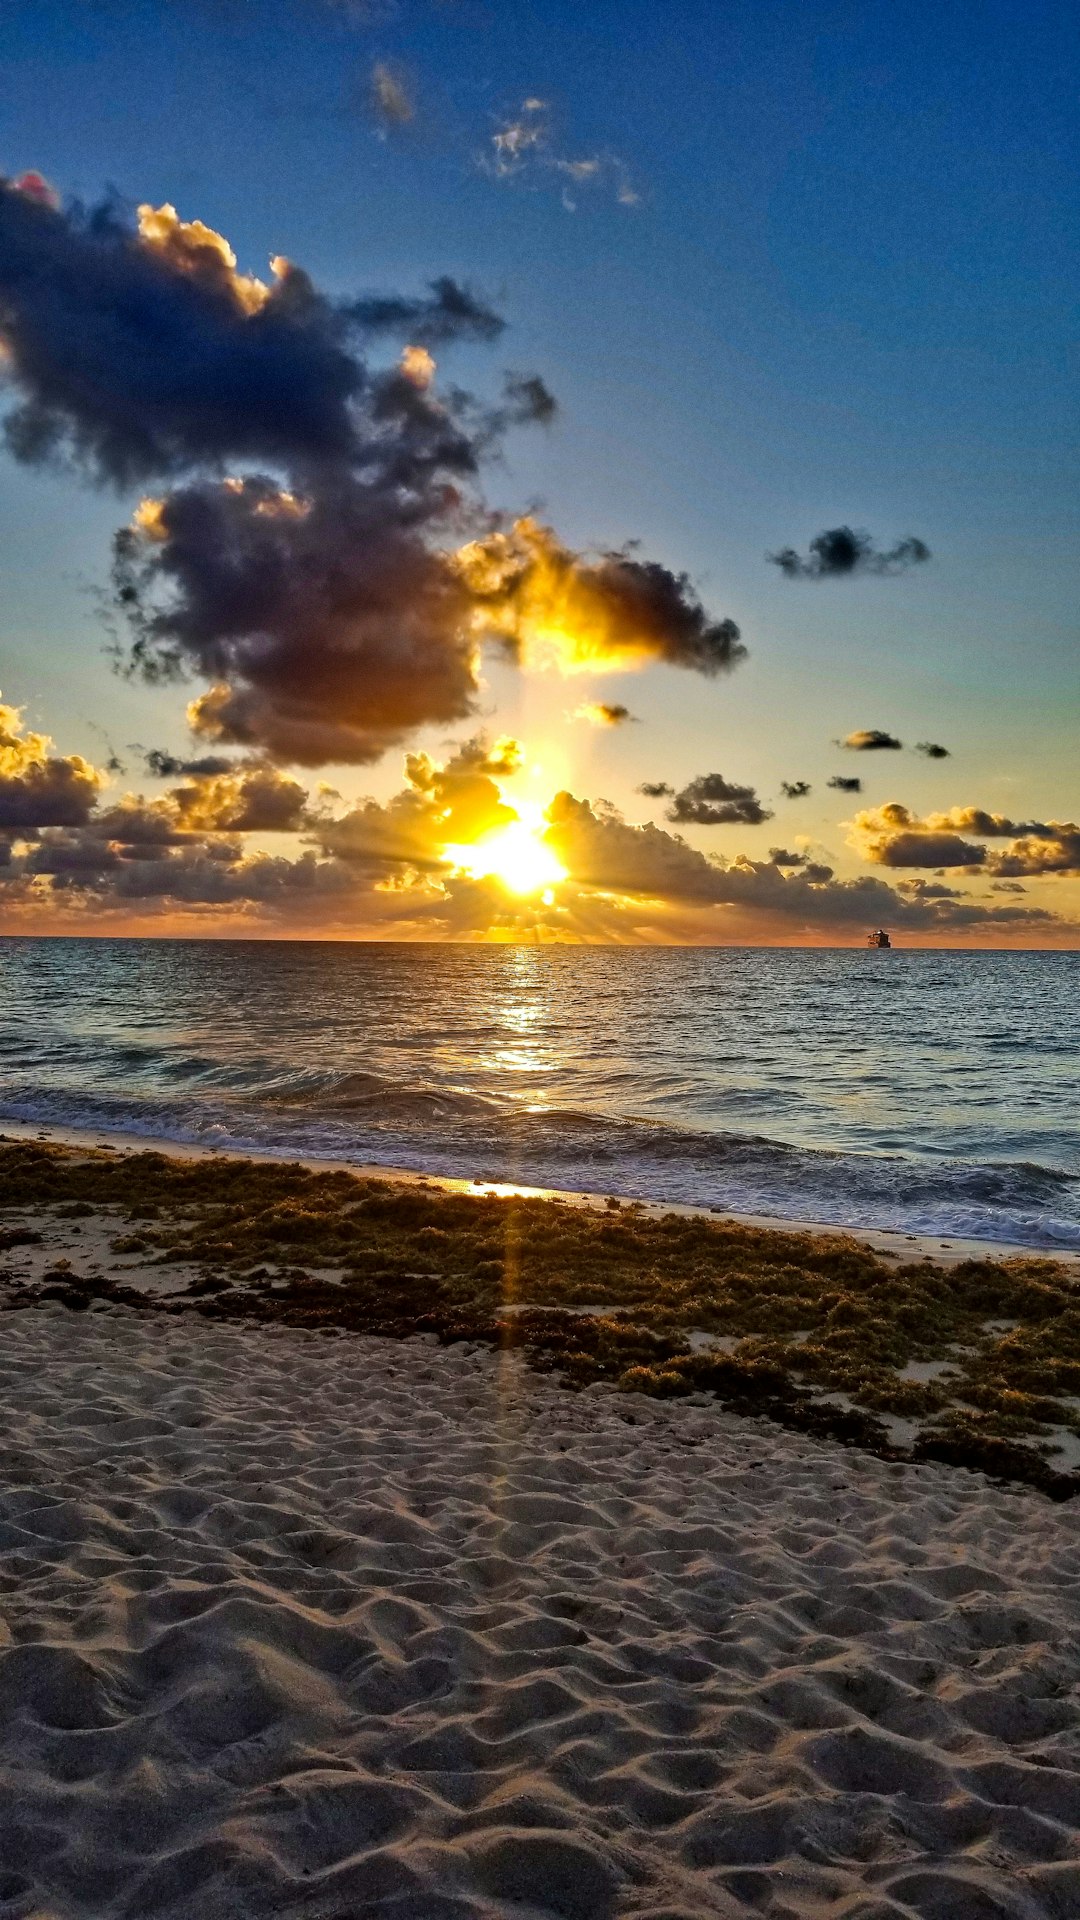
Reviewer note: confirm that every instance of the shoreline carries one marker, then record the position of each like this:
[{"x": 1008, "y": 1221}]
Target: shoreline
[{"x": 888, "y": 1242}]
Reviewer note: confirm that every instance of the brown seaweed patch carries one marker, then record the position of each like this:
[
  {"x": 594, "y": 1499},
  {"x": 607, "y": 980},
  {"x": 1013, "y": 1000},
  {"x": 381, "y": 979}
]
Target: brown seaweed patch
[{"x": 593, "y": 1294}]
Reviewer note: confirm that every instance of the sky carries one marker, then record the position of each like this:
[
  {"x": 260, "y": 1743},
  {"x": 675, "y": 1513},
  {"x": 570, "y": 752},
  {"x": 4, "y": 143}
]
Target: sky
[{"x": 564, "y": 472}]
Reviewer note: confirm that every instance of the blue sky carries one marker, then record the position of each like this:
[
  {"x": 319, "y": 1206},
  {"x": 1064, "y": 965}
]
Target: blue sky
[{"x": 845, "y": 291}]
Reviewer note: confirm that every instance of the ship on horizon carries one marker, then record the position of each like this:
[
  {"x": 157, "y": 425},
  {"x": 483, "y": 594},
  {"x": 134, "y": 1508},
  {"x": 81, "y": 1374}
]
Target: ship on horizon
[{"x": 878, "y": 938}]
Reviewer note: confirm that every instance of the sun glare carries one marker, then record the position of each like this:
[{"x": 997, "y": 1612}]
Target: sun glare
[{"x": 515, "y": 855}]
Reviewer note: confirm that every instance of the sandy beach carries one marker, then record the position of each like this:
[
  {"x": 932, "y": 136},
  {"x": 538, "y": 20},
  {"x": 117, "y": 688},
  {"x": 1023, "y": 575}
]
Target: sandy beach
[
  {"x": 298, "y": 1620},
  {"x": 326, "y": 1626}
]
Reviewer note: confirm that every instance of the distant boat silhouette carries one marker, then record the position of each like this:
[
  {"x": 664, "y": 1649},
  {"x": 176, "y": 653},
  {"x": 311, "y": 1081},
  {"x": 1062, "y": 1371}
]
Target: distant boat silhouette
[{"x": 879, "y": 938}]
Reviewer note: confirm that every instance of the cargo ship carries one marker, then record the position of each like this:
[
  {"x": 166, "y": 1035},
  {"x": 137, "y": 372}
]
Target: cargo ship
[{"x": 879, "y": 938}]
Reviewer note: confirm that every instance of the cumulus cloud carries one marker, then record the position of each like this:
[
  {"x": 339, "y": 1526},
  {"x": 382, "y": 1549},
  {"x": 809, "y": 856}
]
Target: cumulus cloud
[
  {"x": 872, "y": 740},
  {"x": 840, "y": 552},
  {"x": 893, "y": 836},
  {"x": 780, "y": 857},
  {"x": 712, "y": 801},
  {"x": 845, "y": 783},
  {"x": 254, "y": 800},
  {"x": 440, "y": 806},
  {"x": 551, "y": 607},
  {"x": 602, "y": 713},
  {"x": 1055, "y": 849},
  {"x": 327, "y": 626},
  {"x": 500, "y": 757},
  {"x": 330, "y": 628},
  {"x": 140, "y": 351},
  {"x": 338, "y": 599},
  {"x": 523, "y": 148},
  {"x": 39, "y": 788},
  {"x": 795, "y": 789}
]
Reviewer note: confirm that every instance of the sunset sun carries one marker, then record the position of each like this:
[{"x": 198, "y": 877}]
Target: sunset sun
[{"x": 516, "y": 855}]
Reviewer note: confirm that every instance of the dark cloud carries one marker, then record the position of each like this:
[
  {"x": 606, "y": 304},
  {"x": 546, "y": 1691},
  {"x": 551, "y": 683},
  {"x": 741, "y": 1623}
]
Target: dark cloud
[
  {"x": 451, "y": 312},
  {"x": 329, "y": 630},
  {"x": 62, "y": 854},
  {"x": 161, "y": 765},
  {"x": 336, "y": 601},
  {"x": 840, "y": 551},
  {"x": 930, "y": 890},
  {"x": 657, "y": 790},
  {"x": 141, "y": 352},
  {"x": 932, "y": 751},
  {"x": 872, "y": 740},
  {"x": 780, "y": 857},
  {"x": 57, "y": 793},
  {"x": 795, "y": 789},
  {"x": 529, "y": 400},
  {"x": 603, "y": 713},
  {"x": 257, "y": 800},
  {"x": 844, "y": 783},
  {"x": 135, "y": 823},
  {"x": 712, "y": 801}
]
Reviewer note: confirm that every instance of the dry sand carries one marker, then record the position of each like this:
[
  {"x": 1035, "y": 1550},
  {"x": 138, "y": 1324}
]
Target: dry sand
[{"x": 328, "y": 1626}]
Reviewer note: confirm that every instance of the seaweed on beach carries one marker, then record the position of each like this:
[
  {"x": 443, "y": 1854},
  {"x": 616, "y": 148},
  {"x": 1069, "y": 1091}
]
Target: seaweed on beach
[{"x": 815, "y": 1330}]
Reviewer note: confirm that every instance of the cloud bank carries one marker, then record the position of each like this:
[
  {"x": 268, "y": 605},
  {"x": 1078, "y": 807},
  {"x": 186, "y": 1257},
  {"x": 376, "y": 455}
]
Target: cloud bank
[{"x": 69, "y": 857}]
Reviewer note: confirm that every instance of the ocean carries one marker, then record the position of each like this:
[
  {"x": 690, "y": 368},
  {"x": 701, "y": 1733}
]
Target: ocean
[{"x": 923, "y": 1091}]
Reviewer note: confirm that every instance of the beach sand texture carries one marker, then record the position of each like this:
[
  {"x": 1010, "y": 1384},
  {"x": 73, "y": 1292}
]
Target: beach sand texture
[{"x": 327, "y": 1626}]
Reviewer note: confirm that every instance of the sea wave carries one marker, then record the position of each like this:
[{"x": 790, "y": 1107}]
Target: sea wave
[{"x": 367, "y": 1119}]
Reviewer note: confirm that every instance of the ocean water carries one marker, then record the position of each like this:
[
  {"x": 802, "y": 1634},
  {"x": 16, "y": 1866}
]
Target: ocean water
[{"x": 923, "y": 1091}]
